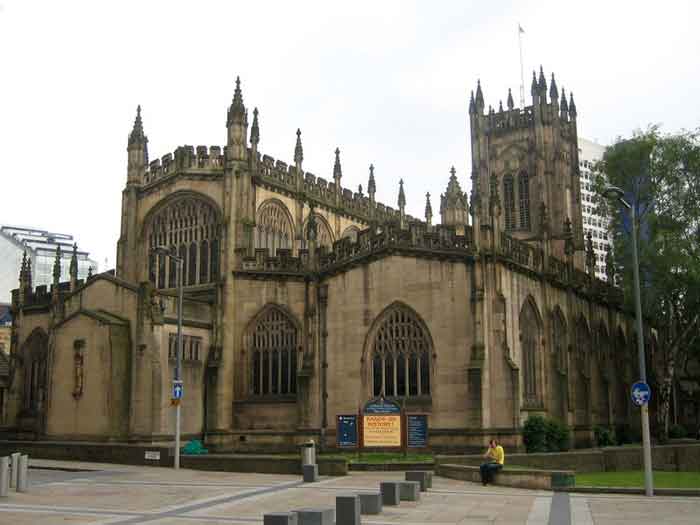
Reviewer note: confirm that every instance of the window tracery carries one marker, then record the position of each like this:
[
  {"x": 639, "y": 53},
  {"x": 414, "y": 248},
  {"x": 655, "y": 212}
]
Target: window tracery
[
  {"x": 272, "y": 346},
  {"x": 273, "y": 228},
  {"x": 324, "y": 234},
  {"x": 400, "y": 355},
  {"x": 189, "y": 228},
  {"x": 530, "y": 345}
]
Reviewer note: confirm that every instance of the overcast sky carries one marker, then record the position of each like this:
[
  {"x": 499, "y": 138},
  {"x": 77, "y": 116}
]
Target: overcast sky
[{"x": 386, "y": 81}]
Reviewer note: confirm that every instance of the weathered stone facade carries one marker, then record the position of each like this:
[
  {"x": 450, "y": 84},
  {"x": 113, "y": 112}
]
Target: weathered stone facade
[{"x": 304, "y": 299}]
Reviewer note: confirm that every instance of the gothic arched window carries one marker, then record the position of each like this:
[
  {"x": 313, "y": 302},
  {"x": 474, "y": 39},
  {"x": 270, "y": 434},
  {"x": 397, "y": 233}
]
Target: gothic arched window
[
  {"x": 524, "y": 200},
  {"x": 351, "y": 233},
  {"x": 273, "y": 228},
  {"x": 325, "y": 236},
  {"x": 272, "y": 346},
  {"x": 34, "y": 360},
  {"x": 509, "y": 201},
  {"x": 400, "y": 353},
  {"x": 530, "y": 346},
  {"x": 559, "y": 342},
  {"x": 188, "y": 227}
]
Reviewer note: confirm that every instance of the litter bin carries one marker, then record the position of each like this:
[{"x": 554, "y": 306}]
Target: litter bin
[{"x": 308, "y": 453}]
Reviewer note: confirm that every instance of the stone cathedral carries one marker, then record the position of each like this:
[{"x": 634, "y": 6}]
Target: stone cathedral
[{"x": 304, "y": 299}]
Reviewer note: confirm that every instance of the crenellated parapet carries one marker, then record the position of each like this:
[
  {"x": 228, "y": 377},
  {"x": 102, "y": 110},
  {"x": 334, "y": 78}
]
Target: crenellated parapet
[{"x": 185, "y": 158}]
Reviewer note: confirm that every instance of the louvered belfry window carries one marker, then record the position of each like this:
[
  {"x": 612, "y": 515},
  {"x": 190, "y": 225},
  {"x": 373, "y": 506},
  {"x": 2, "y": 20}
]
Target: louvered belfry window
[
  {"x": 401, "y": 356},
  {"x": 273, "y": 347},
  {"x": 524, "y": 197},
  {"x": 509, "y": 202},
  {"x": 188, "y": 228}
]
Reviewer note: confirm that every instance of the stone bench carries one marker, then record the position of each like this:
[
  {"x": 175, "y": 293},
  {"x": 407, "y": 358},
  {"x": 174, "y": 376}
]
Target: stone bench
[{"x": 521, "y": 478}]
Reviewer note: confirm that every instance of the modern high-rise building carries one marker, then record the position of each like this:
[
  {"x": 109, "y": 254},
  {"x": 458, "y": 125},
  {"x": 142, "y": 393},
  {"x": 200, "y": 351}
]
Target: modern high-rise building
[
  {"x": 40, "y": 247},
  {"x": 594, "y": 221}
]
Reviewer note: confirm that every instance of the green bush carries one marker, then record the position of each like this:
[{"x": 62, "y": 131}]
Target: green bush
[
  {"x": 677, "y": 432},
  {"x": 604, "y": 437},
  {"x": 542, "y": 434},
  {"x": 557, "y": 435}
]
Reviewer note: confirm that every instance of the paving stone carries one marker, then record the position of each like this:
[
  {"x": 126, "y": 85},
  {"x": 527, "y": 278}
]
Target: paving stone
[
  {"x": 409, "y": 490},
  {"x": 391, "y": 494},
  {"x": 370, "y": 502},
  {"x": 347, "y": 510}
]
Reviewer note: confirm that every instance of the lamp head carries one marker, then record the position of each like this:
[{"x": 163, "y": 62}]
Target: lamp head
[{"x": 613, "y": 192}]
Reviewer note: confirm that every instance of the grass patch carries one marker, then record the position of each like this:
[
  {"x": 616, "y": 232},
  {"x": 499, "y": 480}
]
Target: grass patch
[
  {"x": 381, "y": 457},
  {"x": 635, "y": 479}
]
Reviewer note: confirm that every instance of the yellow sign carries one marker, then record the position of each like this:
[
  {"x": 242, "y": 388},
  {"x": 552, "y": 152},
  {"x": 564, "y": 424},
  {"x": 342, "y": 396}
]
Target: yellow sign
[{"x": 381, "y": 430}]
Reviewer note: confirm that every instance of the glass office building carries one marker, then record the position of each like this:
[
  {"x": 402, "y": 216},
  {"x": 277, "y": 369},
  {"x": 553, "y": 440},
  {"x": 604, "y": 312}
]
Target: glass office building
[{"x": 40, "y": 246}]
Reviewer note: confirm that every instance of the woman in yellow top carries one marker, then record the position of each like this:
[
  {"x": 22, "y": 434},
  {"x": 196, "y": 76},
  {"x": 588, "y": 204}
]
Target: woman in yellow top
[{"x": 495, "y": 458}]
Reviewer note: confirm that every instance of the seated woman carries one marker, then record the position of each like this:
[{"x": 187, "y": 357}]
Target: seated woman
[{"x": 495, "y": 459}]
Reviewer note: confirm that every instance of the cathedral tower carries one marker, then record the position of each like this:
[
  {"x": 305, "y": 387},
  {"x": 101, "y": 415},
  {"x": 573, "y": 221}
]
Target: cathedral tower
[{"x": 523, "y": 158}]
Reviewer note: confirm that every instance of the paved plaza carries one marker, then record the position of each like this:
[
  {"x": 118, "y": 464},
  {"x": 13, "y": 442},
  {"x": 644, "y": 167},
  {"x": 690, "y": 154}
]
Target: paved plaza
[{"x": 92, "y": 493}]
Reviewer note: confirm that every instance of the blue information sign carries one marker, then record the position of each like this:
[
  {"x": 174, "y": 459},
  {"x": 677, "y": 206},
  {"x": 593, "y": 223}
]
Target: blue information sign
[
  {"x": 382, "y": 406},
  {"x": 417, "y": 430},
  {"x": 641, "y": 394},
  {"x": 346, "y": 431},
  {"x": 177, "y": 390}
]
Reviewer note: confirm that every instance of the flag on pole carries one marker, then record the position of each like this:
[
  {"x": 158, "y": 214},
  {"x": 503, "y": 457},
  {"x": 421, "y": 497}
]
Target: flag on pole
[{"x": 520, "y": 29}]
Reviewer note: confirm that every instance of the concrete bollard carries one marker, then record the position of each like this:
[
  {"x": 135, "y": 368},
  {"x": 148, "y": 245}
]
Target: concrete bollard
[
  {"x": 14, "y": 460},
  {"x": 430, "y": 479},
  {"x": 390, "y": 493},
  {"x": 409, "y": 490},
  {"x": 347, "y": 510},
  {"x": 280, "y": 518},
  {"x": 370, "y": 502},
  {"x": 4, "y": 476},
  {"x": 321, "y": 516},
  {"x": 421, "y": 476},
  {"x": 22, "y": 474}
]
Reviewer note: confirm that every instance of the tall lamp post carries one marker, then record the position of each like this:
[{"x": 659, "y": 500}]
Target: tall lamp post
[
  {"x": 178, "y": 357},
  {"x": 613, "y": 192}
]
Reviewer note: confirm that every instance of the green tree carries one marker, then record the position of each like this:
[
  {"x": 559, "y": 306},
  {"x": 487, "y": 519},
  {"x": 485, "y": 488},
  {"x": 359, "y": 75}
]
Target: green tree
[{"x": 660, "y": 174}]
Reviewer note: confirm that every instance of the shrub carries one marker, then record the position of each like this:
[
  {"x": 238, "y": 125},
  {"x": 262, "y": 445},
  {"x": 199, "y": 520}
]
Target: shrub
[
  {"x": 677, "y": 432},
  {"x": 604, "y": 437},
  {"x": 557, "y": 435},
  {"x": 542, "y": 434}
]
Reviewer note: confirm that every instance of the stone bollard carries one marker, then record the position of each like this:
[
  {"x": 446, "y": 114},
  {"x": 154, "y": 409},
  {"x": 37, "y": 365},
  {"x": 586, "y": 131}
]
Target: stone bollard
[
  {"x": 421, "y": 476},
  {"x": 409, "y": 490},
  {"x": 370, "y": 502},
  {"x": 347, "y": 510},
  {"x": 4, "y": 476},
  {"x": 430, "y": 479},
  {"x": 280, "y": 518},
  {"x": 22, "y": 474},
  {"x": 321, "y": 516},
  {"x": 390, "y": 492},
  {"x": 14, "y": 460}
]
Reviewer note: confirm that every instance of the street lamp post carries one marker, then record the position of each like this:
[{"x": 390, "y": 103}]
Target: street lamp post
[
  {"x": 612, "y": 192},
  {"x": 178, "y": 357}
]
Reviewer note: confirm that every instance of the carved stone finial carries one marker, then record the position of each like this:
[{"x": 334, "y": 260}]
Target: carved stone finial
[
  {"x": 73, "y": 269},
  {"x": 137, "y": 136},
  {"x": 610, "y": 267},
  {"x": 568, "y": 237},
  {"x": 428, "y": 209},
  {"x": 237, "y": 111},
  {"x": 544, "y": 218},
  {"x": 57, "y": 266},
  {"x": 89, "y": 275},
  {"x": 371, "y": 185},
  {"x": 590, "y": 254},
  {"x": 312, "y": 226},
  {"x": 255, "y": 129},
  {"x": 402, "y": 195},
  {"x": 510, "y": 103},
  {"x": 337, "y": 170},
  {"x": 298, "y": 149}
]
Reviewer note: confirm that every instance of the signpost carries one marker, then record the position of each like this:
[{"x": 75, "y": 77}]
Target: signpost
[
  {"x": 346, "y": 431},
  {"x": 417, "y": 430},
  {"x": 641, "y": 393},
  {"x": 381, "y": 424}
]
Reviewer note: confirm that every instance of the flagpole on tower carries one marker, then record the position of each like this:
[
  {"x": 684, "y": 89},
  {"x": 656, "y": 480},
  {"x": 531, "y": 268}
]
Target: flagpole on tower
[{"x": 522, "y": 76}]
